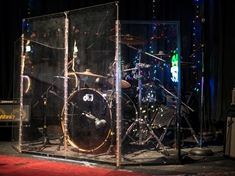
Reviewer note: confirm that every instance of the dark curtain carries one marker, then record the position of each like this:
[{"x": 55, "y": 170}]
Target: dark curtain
[{"x": 218, "y": 39}]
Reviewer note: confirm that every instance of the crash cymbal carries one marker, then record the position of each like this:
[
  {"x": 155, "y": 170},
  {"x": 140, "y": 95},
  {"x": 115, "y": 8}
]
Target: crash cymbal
[
  {"x": 89, "y": 73},
  {"x": 128, "y": 39},
  {"x": 124, "y": 84},
  {"x": 162, "y": 54}
]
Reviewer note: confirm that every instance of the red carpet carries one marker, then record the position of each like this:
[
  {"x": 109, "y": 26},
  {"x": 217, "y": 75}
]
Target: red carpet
[{"x": 31, "y": 167}]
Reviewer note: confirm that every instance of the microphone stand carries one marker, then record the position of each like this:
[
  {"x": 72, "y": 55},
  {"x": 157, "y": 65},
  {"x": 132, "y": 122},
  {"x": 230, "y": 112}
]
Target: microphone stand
[
  {"x": 201, "y": 151},
  {"x": 44, "y": 96}
]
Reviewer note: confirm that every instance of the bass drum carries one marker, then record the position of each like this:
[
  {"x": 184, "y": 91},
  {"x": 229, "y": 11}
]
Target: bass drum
[
  {"x": 90, "y": 125},
  {"x": 85, "y": 108}
]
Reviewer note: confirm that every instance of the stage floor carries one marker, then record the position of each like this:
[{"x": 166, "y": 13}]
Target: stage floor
[{"x": 141, "y": 159}]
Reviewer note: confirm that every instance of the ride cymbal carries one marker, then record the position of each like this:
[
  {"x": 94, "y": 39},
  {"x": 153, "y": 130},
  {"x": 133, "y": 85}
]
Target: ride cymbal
[{"x": 128, "y": 39}]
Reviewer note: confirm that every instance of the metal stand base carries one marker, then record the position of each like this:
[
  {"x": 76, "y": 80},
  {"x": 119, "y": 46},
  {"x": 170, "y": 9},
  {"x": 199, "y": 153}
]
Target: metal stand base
[{"x": 201, "y": 151}]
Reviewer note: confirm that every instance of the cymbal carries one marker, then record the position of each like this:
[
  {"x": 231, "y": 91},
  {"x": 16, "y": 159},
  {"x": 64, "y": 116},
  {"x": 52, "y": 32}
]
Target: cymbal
[
  {"x": 89, "y": 73},
  {"x": 124, "y": 83},
  {"x": 128, "y": 39},
  {"x": 162, "y": 54}
]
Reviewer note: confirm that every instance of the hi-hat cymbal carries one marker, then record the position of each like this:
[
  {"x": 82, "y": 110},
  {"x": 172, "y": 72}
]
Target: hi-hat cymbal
[
  {"x": 89, "y": 73},
  {"x": 128, "y": 39}
]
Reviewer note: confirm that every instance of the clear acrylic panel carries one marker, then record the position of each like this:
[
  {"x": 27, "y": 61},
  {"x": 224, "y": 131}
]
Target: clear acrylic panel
[
  {"x": 90, "y": 113},
  {"x": 150, "y": 52},
  {"x": 84, "y": 125},
  {"x": 42, "y": 78},
  {"x": 15, "y": 104},
  {"x": 97, "y": 90}
]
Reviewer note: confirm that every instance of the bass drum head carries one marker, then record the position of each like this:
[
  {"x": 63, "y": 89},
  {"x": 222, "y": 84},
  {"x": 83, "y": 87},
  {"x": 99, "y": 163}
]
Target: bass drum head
[{"x": 85, "y": 106}]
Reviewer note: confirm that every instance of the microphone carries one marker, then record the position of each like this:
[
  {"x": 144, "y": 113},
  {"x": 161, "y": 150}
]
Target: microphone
[{"x": 99, "y": 123}]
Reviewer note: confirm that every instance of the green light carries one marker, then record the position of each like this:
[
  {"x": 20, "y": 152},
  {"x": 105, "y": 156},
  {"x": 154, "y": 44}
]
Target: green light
[
  {"x": 174, "y": 66},
  {"x": 174, "y": 59}
]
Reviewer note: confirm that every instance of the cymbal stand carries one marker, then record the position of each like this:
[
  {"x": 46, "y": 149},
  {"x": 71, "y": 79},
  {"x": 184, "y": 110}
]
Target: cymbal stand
[
  {"x": 144, "y": 127},
  {"x": 169, "y": 122}
]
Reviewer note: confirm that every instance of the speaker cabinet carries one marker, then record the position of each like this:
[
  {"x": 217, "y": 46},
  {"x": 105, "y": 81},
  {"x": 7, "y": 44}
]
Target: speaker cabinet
[
  {"x": 229, "y": 143},
  {"x": 10, "y": 112}
]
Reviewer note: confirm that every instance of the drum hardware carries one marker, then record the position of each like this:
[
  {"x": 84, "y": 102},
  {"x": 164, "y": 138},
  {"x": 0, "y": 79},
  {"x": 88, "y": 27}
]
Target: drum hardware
[
  {"x": 111, "y": 76},
  {"x": 130, "y": 69},
  {"x": 138, "y": 65},
  {"x": 144, "y": 127},
  {"x": 142, "y": 122},
  {"x": 143, "y": 65},
  {"x": 184, "y": 105},
  {"x": 154, "y": 56}
]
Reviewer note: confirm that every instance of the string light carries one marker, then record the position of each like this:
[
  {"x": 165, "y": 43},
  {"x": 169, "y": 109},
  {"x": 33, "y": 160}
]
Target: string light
[
  {"x": 29, "y": 8},
  {"x": 195, "y": 40}
]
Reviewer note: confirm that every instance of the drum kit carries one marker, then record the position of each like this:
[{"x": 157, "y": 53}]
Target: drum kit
[{"x": 91, "y": 112}]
